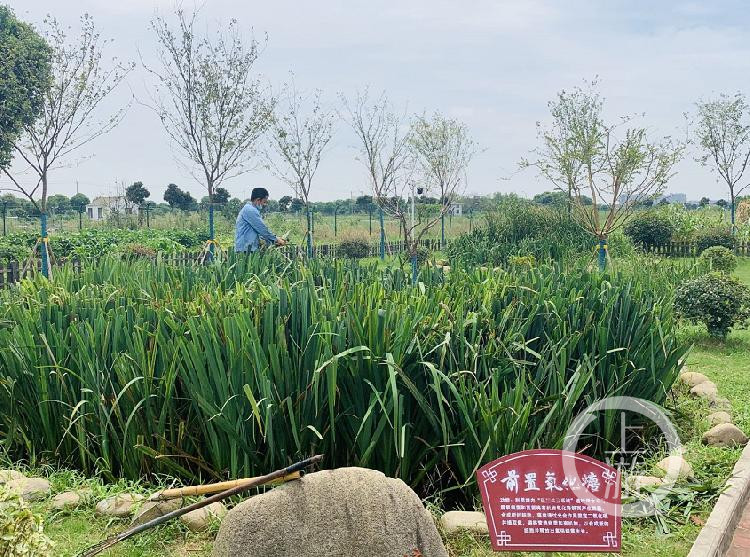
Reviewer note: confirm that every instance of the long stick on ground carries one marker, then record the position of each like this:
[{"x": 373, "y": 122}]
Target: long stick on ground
[
  {"x": 194, "y": 490},
  {"x": 106, "y": 544}
]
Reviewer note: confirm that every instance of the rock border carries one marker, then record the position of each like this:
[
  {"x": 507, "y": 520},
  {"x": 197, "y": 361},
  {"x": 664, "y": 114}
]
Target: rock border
[{"x": 716, "y": 536}]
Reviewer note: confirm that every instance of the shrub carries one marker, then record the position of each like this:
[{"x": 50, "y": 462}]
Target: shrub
[
  {"x": 719, "y": 301},
  {"x": 354, "y": 248},
  {"x": 719, "y": 258},
  {"x": 649, "y": 229},
  {"x": 138, "y": 250},
  {"x": 518, "y": 227},
  {"x": 21, "y": 531},
  {"x": 715, "y": 237}
]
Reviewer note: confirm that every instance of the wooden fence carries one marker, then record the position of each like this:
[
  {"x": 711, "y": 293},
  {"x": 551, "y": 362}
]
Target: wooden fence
[
  {"x": 12, "y": 271},
  {"x": 690, "y": 249}
]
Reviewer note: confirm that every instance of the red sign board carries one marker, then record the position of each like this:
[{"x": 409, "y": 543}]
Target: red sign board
[{"x": 550, "y": 500}]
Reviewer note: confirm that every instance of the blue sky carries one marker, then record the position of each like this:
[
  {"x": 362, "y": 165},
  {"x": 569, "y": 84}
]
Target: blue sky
[{"x": 493, "y": 64}]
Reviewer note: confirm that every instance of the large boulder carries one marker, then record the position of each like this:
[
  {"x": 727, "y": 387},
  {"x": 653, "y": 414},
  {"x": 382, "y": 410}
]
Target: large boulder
[{"x": 333, "y": 513}]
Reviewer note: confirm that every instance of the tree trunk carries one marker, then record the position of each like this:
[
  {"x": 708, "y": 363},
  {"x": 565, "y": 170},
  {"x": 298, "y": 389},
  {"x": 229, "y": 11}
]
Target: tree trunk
[
  {"x": 382, "y": 235},
  {"x": 43, "y": 223},
  {"x": 211, "y": 231},
  {"x": 309, "y": 233},
  {"x": 602, "y": 253}
]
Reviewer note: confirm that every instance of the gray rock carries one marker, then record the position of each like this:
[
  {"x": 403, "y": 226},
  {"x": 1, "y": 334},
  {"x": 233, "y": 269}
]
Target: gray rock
[
  {"x": 154, "y": 509},
  {"x": 677, "y": 467},
  {"x": 66, "y": 500},
  {"x": 8, "y": 475},
  {"x": 637, "y": 483},
  {"x": 724, "y": 435},
  {"x": 706, "y": 390},
  {"x": 453, "y": 521},
  {"x": 335, "y": 513},
  {"x": 720, "y": 403},
  {"x": 199, "y": 519},
  {"x": 692, "y": 378},
  {"x": 719, "y": 417},
  {"x": 118, "y": 506},
  {"x": 30, "y": 489}
]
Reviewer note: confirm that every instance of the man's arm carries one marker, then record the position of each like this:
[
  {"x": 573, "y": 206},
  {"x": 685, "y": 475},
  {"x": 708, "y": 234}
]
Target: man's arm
[{"x": 254, "y": 219}]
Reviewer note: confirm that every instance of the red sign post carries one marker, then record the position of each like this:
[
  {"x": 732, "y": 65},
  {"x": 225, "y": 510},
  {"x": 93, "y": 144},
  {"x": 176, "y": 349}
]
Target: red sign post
[{"x": 550, "y": 500}]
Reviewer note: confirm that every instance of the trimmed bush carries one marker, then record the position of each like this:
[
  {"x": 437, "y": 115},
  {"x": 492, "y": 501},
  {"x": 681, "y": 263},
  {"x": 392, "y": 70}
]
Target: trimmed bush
[
  {"x": 715, "y": 237},
  {"x": 719, "y": 258},
  {"x": 719, "y": 301},
  {"x": 649, "y": 229},
  {"x": 354, "y": 248}
]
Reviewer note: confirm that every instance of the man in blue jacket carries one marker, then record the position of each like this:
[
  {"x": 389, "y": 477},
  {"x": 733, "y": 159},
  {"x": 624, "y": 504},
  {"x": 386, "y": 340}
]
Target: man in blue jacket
[{"x": 250, "y": 225}]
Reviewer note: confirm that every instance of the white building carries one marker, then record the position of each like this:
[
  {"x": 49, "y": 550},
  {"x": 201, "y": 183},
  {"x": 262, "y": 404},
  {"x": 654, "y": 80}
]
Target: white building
[
  {"x": 102, "y": 207},
  {"x": 456, "y": 209}
]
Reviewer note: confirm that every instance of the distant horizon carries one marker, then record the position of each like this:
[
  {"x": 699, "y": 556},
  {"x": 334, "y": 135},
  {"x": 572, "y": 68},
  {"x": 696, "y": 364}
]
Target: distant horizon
[{"x": 492, "y": 64}]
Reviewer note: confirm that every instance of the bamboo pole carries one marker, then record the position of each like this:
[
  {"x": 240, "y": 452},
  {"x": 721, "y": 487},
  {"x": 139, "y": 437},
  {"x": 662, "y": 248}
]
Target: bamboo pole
[
  {"x": 109, "y": 542},
  {"x": 195, "y": 490}
]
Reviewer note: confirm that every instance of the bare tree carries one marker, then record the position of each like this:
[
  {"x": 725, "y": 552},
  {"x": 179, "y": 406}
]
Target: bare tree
[
  {"x": 298, "y": 140},
  {"x": 723, "y": 131},
  {"x": 208, "y": 100},
  {"x": 617, "y": 166},
  {"x": 80, "y": 82},
  {"x": 443, "y": 151},
  {"x": 432, "y": 152},
  {"x": 385, "y": 152}
]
